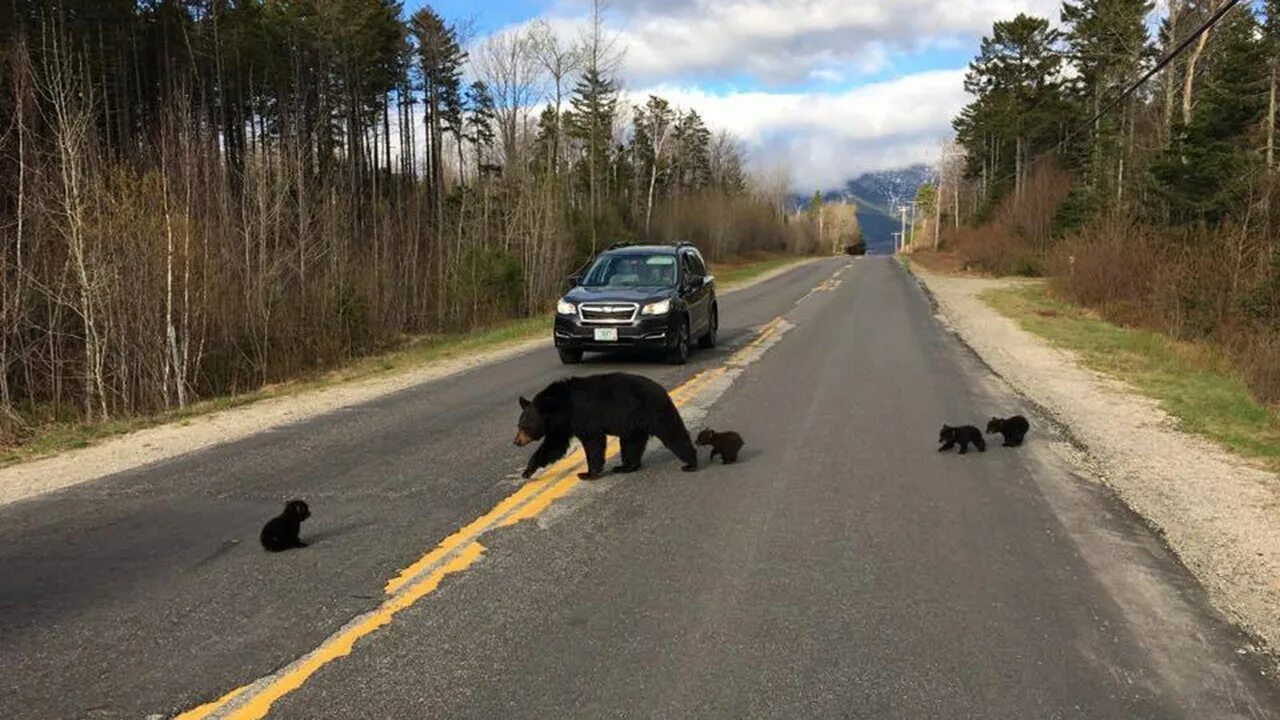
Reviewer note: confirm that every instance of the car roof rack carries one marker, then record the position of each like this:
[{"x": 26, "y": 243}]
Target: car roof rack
[{"x": 617, "y": 245}]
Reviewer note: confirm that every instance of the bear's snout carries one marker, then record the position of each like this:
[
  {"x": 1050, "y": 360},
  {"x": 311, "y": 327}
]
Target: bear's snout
[{"x": 522, "y": 439}]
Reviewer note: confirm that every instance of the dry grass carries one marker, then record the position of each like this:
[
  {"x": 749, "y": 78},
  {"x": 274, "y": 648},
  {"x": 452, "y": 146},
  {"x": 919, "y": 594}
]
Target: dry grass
[
  {"x": 45, "y": 436},
  {"x": 1195, "y": 382}
]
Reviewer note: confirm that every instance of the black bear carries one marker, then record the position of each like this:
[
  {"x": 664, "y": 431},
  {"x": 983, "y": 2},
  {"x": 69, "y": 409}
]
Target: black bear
[
  {"x": 281, "y": 532},
  {"x": 964, "y": 435},
  {"x": 1013, "y": 429},
  {"x": 629, "y": 407},
  {"x": 724, "y": 444}
]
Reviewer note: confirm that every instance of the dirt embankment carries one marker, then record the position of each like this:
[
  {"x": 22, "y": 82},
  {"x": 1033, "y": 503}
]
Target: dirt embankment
[{"x": 1219, "y": 513}]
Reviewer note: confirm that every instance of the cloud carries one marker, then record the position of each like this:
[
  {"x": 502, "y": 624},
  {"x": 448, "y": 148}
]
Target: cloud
[
  {"x": 827, "y": 138},
  {"x": 783, "y": 41},
  {"x": 801, "y": 71}
]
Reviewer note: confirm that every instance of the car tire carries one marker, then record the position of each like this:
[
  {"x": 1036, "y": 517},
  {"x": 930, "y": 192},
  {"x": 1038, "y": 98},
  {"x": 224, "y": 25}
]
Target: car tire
[
  {"x": 679, "y": 353},
  {"x": 708, "y": 341},
  {"x": 569, "y": 356}
]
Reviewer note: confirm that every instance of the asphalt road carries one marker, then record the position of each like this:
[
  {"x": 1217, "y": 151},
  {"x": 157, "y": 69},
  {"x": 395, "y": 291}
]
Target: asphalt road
[{"x": 843, "y": 569}]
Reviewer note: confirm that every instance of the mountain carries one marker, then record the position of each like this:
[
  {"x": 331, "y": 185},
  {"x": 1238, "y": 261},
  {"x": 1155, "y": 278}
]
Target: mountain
[{"x": 877, "y": 194}]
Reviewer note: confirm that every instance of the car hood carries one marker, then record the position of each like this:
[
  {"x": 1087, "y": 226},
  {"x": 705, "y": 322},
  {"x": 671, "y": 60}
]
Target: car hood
[{"x": 605, "y": 294}]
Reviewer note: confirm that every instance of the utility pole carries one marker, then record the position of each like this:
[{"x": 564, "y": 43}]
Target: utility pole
[
  {"x": 937, "y": 211},
  {"x": 908, "y": 239},
  {"x": 897, "y": 241},
  {"x": 902, "y": 209},
  {"x": 912, "y": 238}
]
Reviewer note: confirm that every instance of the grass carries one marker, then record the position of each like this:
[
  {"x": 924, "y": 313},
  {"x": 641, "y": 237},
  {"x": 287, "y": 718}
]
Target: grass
[
  {"x": 738, "y": 271},
  {"x": 51, "y": 437},
  {"x": 1191, "y": 381}
]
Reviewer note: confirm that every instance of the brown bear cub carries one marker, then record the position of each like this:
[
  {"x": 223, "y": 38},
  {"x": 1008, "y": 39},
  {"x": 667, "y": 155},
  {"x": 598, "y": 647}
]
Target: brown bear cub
[
  {"x": 281, "y": 532},
  {"x": 725, "y": 444},
  {"x": 1013, "y": 429},
  {"x": 964, "y": 436}
]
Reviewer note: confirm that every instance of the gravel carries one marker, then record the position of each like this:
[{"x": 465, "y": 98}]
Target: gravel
[{"x": 1218, "y": 513}]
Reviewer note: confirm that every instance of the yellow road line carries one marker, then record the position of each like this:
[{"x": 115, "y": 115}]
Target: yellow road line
[
  {"x": 460, "y": 549},
  {"x": 209, "y": 707},
  {"x": 259, "y": 705}
]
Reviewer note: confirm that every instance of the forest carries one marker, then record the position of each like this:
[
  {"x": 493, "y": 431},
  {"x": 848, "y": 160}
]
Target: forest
[
  {"x": 202, "y": 197},
  {"x": 1152, "y": 202}
]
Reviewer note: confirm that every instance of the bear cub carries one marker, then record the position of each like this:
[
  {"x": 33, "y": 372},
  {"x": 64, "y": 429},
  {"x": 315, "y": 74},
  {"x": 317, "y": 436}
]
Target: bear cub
[
  {"x": 630, "y": 407},
  {"x": 281, "y": 532},
  {"x": 964, "y": 436},
  {"x": 724, "y": 444},
  {"x": 1013, "y": 429}
]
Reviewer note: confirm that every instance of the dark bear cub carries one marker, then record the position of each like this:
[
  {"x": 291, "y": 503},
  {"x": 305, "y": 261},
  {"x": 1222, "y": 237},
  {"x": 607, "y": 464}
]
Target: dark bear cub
[
  {"x": 1013, "y": 429},
  {"x": 281, "y": 532},
  {"x": 725, "y": 444},
  {"x": 964, "y": 436},
  {"x": 629, "y": 407}
]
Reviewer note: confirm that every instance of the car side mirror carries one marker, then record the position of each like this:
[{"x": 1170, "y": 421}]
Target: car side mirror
[
  {"x": 572, "y": 281},
  {"x": 707, "y": 280}
]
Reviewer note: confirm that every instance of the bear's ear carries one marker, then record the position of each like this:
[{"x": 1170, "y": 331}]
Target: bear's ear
[{"x": 524, "y": 403}]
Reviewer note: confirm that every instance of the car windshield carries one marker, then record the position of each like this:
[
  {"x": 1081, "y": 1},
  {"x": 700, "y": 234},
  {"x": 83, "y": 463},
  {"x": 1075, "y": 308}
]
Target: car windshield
[{"x": 632, "y": 270}]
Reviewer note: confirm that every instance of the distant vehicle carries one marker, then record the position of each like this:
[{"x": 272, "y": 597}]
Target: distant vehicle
[
  {"x": 659, "y": 297},
  {"x": 857, "y": 248}
]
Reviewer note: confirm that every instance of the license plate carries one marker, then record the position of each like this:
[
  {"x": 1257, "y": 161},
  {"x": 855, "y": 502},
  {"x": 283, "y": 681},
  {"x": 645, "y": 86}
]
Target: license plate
[{"x": 606, "y": 334}]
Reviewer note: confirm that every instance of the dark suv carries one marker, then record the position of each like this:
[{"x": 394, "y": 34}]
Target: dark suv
[{"x": 639, "y": 296}]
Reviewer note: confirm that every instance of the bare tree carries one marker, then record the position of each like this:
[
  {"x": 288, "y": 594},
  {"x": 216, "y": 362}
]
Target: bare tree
[
  {"x": 560, "y": 61},
  {"x": 70, "y": 99},
  {"x": 509, "y": 66},
  {"x": 657, "y": 122},
  {"x": 1188, "y": 80}
]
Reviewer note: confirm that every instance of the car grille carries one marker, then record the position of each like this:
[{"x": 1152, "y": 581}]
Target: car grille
[{"x": 608, "y": 313}]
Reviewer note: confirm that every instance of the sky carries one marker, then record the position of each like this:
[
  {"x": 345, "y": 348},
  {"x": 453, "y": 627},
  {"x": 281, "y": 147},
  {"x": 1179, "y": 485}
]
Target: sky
[{"x": 828, "y": 89}]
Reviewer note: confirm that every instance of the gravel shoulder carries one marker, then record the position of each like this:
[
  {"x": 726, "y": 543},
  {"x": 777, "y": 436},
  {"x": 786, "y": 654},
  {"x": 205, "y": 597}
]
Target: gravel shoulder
[
  {"x": 162, "y": 442},
  {"x": 1219, "y": 513}
]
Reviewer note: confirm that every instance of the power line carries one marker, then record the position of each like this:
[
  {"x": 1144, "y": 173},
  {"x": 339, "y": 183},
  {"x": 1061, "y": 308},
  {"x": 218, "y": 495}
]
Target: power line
[
  {"x": 1213, "y": 20},
  {"x": 1160, "y": 65}
]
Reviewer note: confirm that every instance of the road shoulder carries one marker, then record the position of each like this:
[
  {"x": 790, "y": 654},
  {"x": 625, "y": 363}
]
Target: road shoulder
[
  {"x": 1218, "y": 512},
  {"x": 162, "y": 442}
]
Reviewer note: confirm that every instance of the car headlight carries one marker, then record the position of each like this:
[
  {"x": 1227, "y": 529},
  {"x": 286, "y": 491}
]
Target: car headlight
[
  {"x": 662, "y": 307},
  {"x": 564, "y": 307}
]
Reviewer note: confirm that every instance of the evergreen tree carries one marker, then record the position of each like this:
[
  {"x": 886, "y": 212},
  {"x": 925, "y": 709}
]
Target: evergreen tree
[
  {"x": 1207, "y": 170},
  {"x": 594, "y": 106},
  {"x": 692, "y": 155},
  {"x": 1108, "y": 47},
  {"x": 480, "y": 119},
  {"x": 1019, "y": 109},
  {"x": 440, "y": 58}
]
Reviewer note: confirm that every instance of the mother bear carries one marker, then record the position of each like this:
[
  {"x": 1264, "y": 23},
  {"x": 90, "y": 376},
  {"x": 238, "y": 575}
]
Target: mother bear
[{"x": 630, "y": 407}]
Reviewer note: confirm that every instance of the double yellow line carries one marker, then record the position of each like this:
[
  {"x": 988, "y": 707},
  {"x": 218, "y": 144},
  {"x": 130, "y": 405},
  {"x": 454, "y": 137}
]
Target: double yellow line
[{"x": 454, "y": 554}]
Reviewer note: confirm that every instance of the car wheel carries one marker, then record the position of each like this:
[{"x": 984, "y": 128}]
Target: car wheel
[
  {"x": 708, "y": 341},
  {"x": 680, "y": 352},
  {"x": 569, "y": 356}
]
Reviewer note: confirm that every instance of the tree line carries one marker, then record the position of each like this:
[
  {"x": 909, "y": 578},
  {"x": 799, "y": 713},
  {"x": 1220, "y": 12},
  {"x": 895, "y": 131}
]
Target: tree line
[
  {"x": 1154, "y": 204},
  {"x": 199, "y": 197}
]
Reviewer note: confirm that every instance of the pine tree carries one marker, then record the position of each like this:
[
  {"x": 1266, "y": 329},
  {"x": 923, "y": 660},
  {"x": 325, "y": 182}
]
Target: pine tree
[
  {"x": 440, "y": 59},
  {"x": 693, "y": 153},
  {"x": 1206, "y": 172},
  {"x": 595, "y": 105},
  {"x": 1108, "y": 46},
  {"x": 480, "y": 120},
  {"x": 1019, "y": 109}
]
